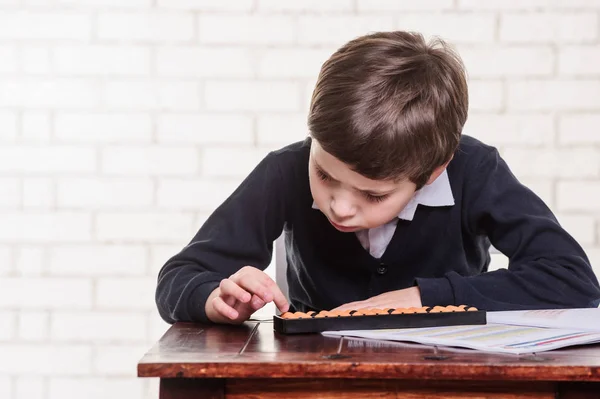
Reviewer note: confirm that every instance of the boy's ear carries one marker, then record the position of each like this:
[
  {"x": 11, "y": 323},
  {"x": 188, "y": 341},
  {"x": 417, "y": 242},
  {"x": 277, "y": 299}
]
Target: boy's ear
[{"x": 438, "y": 171}]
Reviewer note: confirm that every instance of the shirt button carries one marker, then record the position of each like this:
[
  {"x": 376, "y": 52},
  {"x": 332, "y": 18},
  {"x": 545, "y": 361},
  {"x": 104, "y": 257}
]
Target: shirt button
[{"x": 382, "y": 269}]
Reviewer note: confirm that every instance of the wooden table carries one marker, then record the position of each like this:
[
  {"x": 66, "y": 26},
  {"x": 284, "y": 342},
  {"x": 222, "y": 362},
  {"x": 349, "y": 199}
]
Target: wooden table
[{"x": 252, "y": 361}]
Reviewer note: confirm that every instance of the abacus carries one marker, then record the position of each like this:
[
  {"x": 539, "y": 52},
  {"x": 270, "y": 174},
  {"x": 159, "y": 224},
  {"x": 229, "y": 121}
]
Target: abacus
[{"x": 372, "y": 319}]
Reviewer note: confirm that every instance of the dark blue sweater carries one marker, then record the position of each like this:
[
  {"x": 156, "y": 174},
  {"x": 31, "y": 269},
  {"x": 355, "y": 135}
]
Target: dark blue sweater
[{"x": 443, "y": 249}]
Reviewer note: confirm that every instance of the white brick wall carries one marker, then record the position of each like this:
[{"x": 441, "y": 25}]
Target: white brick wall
[{"x": 117, "y": 119}]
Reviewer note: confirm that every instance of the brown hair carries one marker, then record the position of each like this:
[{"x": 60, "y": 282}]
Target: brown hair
[{"x": 390, "y": 105}]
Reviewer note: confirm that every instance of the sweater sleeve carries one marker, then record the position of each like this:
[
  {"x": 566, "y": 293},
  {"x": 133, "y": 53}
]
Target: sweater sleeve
[
  {"x": 240, "y": 232},
  {"x": 547, "y": 267}
]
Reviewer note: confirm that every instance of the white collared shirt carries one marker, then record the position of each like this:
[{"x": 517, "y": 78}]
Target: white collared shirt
[{"x": 438, "y": 193}]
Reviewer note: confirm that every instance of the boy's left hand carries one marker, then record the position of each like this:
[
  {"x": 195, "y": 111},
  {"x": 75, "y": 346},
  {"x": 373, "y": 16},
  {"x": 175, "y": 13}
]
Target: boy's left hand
[{"x": 406, "y": 298}]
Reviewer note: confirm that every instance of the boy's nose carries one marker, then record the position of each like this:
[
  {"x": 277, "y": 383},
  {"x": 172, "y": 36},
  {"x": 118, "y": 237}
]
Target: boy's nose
[{"x": 341, "y": 209}]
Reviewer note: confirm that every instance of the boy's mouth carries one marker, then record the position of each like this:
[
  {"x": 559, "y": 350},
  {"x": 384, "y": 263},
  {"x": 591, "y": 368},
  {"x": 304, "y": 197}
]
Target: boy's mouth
[{"x": 345, "y": 229}]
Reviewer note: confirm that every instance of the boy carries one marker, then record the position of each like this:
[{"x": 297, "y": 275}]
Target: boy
[{"x": 384, "y": 205}]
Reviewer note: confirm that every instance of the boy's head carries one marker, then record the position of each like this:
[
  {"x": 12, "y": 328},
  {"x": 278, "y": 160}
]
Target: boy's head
[{"x": 390, "y": 108}]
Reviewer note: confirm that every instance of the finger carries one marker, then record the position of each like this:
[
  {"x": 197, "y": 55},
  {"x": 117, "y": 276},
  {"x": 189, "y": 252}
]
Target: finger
[
  {"x": 230, "y": 288},
  {"x": 256, "y": 285},
  {"x": 256, "y": 303},
  {"x": 278, "y": 297},
  {"x": 224, "y": 309}
]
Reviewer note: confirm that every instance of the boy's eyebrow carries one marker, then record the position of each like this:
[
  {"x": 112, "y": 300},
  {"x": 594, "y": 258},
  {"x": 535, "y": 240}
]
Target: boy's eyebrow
[{"x": 370, "y": 192}]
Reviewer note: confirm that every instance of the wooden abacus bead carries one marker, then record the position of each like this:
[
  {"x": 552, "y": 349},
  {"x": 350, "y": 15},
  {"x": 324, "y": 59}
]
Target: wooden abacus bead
[
  {"x": 389, "y": 310},
  {"x": 311, "y": 313},
  {"x": 398, "y": 311},
  {"x": 286, "y": 315},
  {"x": 299, "y": 315},
  {"x": 345, "y": 313},
  {"x": 452, "y": 308},
  {"x": 321, "y": 314},
  {"x": 437, "y": 309},
  {"x": 471, "y": 309},
  {"x": 359, "y": 312}
]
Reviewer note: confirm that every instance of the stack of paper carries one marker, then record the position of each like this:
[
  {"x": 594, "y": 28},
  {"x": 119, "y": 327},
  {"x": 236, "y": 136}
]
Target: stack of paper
[{"x": 514, "y": 332}]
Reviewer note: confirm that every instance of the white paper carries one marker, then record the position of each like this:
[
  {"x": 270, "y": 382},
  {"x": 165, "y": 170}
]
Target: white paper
[
  {"x": 580, "y": 319},
  {"x": 488, "y": 338}
]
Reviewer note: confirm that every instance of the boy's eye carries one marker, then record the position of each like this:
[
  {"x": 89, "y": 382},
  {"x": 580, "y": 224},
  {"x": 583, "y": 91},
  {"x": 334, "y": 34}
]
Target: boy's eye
[
  {"x": 376, "y": 198},
  {"x": 322, "y": 175}
]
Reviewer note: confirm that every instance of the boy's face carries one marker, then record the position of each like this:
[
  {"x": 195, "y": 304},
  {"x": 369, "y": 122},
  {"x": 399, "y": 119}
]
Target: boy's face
[{"x": 349, "y": 200}]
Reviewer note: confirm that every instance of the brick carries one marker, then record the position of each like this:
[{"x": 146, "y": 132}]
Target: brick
[
  {"x": 205, "y": 128},
  {"x": 207, "y": 5},
  {"x": 44, "y": 293},
  {"x": 49, "y": 227},
  {"x": 496, "y": 62},
  {"x": 36, "y": 127},
  {"x": 102, "y": 60},
  {"x": 203, "y": 195},
  {"x": 524, "y": 4},
  {"x": 8, "y": 126},
  {"x": 146, "y": 161},
  {"x": 546, "y": 95},
  {"x": 98, "y": 327},
  {"x": 105, "y": 193},
  {"x": 38, "y": 359},
  {"x": 126, "y": 293},
  {"x": 30, "y": 387},
  {"x": 29, "y": 261},
  {"x": 149, "y": 26},
  {"x": 252, "y": 96},
  {"x": 250, "y": 29},
  {"x": 511, "y": 129},
  {"x": 564, "y": 27},
  {"x": 292, "y": 63},
  {"x": 486, "y": 95},
  {"x": 579, "y": 60},
  {"x": 554, "y": 163},
  {"x": 204, "y": 62},
  {"x": 160, "y": 254},
  {"x": 10, "y": 188},
  {"x": 402, "y": 6},
  {"x": 452, "y": 27},
  {"x": 543, "y": 188},
  {"x": 100, "y": 260},
  {"x": 246, "y": 161},
  {"x": 578, "y": 196},
  {"x": 8, "y": 321},
  {"x": 38, "y": 193},
  {"x": 8, "y": 55},
  {"x": 6, "y": 261},
  {"x": 6, "y": 386},
  {"x": 581, "y": 227},
  {"x": 157, "y": 326},
  {"x": 34, "y": 325},
  {"x": 579, "y": 129},
  {"x": 118, "y": 360},
  {"x": 141, "y": 227},
  {"x": 152, "y": 95},
  {"x": 337, "y": 30},
  {"x": 35, "y": 59},
  {"x": 47, "y": 159},
  {"x": 48, "y": 93},
  {"x": 31, "y": 24},
  {"x": 281, "y": 129},
  {"x": 96, "y": 388},
  {"x": 312, "y": 6},
  {"x": 103, "y": 127}
]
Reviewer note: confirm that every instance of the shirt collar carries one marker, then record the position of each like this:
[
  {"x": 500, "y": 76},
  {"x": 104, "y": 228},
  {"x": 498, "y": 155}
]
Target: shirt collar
[{"x": 438, "y": 193}]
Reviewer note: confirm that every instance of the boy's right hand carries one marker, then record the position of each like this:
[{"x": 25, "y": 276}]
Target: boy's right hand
[{"x": 242, "y": 294}]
